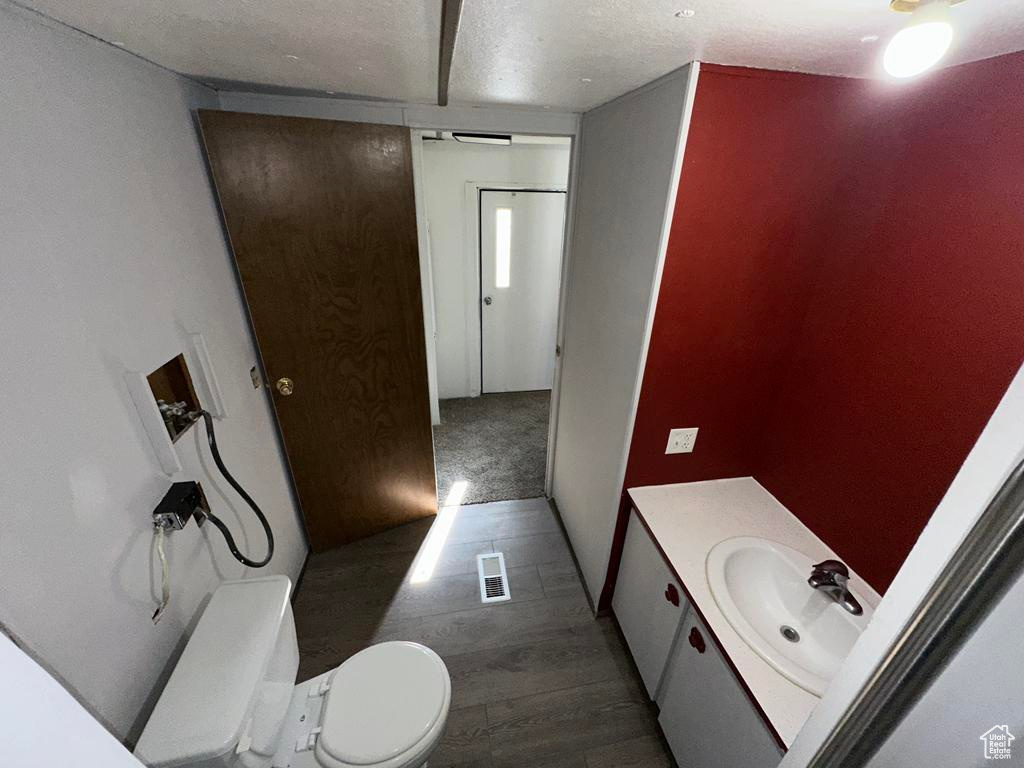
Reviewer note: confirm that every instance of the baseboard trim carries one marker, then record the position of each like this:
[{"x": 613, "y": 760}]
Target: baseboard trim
[
  {"x": 575, "y": 562},
  {"x": 301, "y": 576}
]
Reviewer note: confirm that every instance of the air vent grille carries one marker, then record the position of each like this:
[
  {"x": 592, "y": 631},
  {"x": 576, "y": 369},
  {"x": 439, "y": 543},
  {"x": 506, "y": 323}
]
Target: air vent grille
[
  {"x": 493, "y": 577},
  {"x": 494, "y": 586}
]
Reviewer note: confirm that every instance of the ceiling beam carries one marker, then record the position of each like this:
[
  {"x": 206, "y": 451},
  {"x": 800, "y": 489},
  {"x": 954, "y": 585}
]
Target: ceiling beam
[{"x": 451, "y": 13}]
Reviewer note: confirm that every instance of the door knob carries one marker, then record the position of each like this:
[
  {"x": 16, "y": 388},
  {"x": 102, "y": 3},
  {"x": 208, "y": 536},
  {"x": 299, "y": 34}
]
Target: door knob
[
  {"x": 285, "y": 386},
  {"x": 488, "y": 300}
]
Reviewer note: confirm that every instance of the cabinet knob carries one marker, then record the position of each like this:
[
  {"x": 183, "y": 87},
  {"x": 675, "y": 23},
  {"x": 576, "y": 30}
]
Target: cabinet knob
[
  {"x": 285, "y": 386},
  {"x": 697, "y": 640},
  {"x": 672, "y": 594}
]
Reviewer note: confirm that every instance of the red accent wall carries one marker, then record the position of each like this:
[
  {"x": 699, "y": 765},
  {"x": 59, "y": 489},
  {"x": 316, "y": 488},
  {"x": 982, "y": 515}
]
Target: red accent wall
[
  {"x": 760, "y": 159},
  {"x": 843, "y": 299}
]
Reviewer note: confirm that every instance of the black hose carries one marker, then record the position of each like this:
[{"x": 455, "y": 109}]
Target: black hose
[{"x": 212, "y": 438}]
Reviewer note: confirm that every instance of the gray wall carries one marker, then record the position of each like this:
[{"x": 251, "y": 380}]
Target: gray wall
[
  {"x": 981, "y": 688},
  {"x": 630, "y": 150},
  {"x": 112, "y": 253}
]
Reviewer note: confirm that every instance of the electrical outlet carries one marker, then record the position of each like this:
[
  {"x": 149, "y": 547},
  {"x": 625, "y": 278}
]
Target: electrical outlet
[{"x": 681, "y": 440}]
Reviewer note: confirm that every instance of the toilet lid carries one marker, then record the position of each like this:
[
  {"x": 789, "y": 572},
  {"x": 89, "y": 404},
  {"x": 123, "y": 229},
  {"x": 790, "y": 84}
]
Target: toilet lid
[{"x": 382, "y": 702}]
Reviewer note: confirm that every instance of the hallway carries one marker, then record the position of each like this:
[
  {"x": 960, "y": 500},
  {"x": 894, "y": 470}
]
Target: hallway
[{"x": 496, "y": 443}]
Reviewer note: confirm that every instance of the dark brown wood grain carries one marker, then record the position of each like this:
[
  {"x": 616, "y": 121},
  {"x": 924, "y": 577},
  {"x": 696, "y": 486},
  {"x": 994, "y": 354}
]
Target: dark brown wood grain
[{"x": 322, "y": 222}]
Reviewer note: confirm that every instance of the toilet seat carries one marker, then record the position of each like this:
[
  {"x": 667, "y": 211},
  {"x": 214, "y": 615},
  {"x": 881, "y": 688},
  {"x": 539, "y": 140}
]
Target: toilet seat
[{"x": 386, "y": 707}]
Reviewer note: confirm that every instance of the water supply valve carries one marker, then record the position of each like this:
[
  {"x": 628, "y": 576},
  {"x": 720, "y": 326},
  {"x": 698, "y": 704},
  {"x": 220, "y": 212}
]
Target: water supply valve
[{"x": 179, "y": 504}]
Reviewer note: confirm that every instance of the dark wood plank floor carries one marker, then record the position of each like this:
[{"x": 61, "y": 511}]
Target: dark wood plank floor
[{"x": 536, "y": 681}]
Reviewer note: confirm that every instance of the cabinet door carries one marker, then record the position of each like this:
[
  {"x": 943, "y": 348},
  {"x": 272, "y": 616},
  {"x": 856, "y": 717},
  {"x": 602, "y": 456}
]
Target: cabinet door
[
  {"x": 705, "y": 714},
  {"x": 648, "y": 603}
]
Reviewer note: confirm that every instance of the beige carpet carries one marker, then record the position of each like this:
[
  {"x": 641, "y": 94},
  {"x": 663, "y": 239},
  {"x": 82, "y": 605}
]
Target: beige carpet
[{"x": 496, "y": 443}]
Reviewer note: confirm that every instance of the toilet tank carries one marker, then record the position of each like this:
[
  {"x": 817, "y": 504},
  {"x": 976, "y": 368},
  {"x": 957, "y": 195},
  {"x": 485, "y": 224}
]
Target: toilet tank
[{"x": 228, "y": 695}]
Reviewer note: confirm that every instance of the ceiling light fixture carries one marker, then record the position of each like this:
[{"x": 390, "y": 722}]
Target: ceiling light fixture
[
  {"x": 921, "y": 44},
  {"x": 686, "y": 13},
  {"x": 504, "y": 139},
  {"x": 586, "y": 80}
]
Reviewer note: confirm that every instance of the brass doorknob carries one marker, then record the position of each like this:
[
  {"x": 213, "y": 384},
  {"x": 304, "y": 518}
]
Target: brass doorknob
[{"x": 285, "y": 386}]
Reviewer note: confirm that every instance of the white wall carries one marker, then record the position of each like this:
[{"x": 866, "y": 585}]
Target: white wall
[
  {"x": 426, "y": 278},
  {"x": 112, "y": 253},
  {"x": 43, "y": 726},
  {"x": 447, "y": 167},
  {"x": 985, "y": 679},
  {"x": 981, "y": 688},
  {"x": 630, "y": 158}
]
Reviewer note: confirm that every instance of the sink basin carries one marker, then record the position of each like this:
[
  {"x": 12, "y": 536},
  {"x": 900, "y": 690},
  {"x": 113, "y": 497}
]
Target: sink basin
[{"x": 761, "y": 587}]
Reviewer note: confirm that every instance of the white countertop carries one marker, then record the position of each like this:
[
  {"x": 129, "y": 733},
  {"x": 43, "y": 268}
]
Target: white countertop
[{"x": 687, "y": 520}]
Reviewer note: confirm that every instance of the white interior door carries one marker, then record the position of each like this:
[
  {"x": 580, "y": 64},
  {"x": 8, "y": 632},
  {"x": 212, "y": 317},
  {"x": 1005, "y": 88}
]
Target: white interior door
[{"x": 520, "y": 266}]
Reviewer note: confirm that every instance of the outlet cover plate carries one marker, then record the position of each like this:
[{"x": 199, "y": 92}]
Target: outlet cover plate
[{"x": 681, "y": 440}]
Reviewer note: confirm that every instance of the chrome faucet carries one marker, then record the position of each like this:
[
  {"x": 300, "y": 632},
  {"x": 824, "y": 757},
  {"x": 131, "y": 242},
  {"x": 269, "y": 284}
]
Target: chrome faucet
[{"x": 831, "y": 577}]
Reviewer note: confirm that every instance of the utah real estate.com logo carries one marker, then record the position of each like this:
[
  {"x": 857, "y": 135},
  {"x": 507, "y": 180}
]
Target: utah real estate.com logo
[{"x": 997, "y": 742}]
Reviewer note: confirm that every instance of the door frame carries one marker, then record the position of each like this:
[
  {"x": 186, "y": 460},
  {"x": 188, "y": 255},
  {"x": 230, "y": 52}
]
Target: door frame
[
  {"x": 471, "y": 239},
  {"x": 429, "y": 119},
  {"x": 478, "y": 358},
  {"x": 426, "y": 274},
  {"x": 471, "y": 244}
]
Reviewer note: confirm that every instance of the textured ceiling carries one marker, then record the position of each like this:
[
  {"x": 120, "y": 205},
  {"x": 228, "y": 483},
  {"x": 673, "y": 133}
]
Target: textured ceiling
[
  {"x": 540, "y": 51},
  {"x": 565, "y": 54},
  {"x": 377, "y": 48}
]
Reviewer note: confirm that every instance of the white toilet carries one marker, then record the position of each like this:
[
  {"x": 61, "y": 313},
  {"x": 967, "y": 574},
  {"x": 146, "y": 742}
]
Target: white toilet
[{"x": 232, "y": 699}]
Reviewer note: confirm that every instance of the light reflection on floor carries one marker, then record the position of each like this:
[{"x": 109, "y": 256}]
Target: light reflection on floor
[{"x": 433, "y": 545}]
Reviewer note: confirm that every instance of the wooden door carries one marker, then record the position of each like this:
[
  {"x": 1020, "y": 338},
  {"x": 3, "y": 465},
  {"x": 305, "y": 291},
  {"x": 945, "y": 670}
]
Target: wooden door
[
  {"x": 520, "y": 271},
  {"x": 322, "y": 221}
]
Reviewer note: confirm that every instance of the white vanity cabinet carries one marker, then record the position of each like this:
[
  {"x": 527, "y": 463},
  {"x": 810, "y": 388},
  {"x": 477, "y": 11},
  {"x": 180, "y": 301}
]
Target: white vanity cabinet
[
  {"x": 706, "y": 716},
  {"x": 648, "y": 603}
]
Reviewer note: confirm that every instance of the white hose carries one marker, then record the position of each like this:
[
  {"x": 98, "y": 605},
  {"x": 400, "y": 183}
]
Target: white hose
[{"x": 165, "y": 574}]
